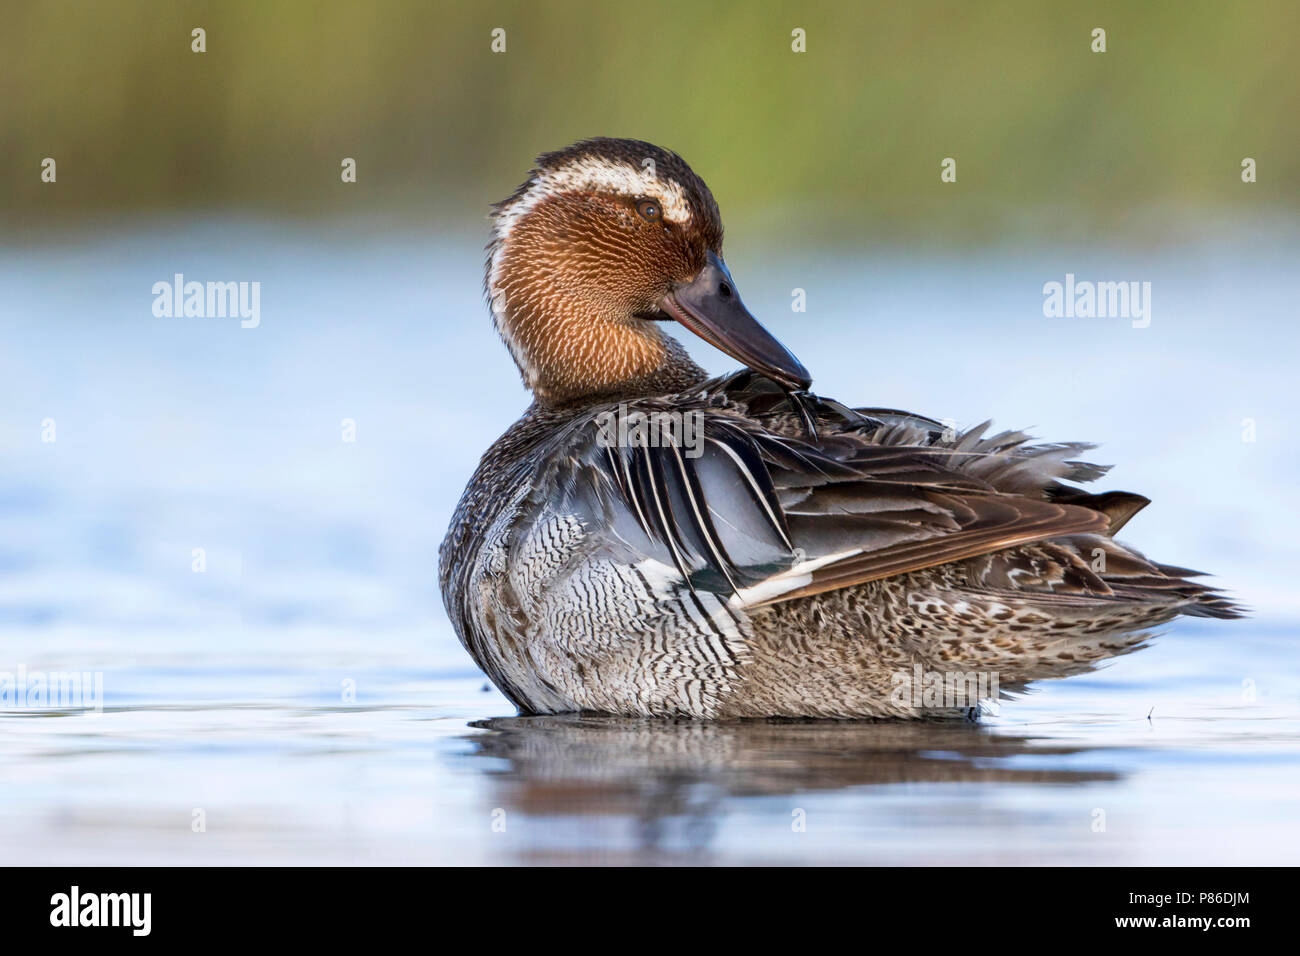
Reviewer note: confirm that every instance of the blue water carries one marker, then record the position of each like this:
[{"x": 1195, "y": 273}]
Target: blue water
[{"x": 304, "y": 690}]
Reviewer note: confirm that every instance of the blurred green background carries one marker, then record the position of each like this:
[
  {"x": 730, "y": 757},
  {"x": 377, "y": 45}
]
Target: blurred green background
[{"x": 848, "y": 135}]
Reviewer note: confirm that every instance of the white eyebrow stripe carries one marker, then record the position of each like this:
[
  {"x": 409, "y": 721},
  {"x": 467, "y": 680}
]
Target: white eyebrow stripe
[
  {"x": 621, "y": 179},
  {"x": 598, "y": 175}
]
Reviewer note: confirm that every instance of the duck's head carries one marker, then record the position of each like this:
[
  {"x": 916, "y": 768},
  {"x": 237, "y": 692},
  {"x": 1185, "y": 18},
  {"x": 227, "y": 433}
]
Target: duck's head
[{"x": 604, "y": 241}]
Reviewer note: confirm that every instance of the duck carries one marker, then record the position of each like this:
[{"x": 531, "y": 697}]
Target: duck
[{"x": 651, "y": 541}]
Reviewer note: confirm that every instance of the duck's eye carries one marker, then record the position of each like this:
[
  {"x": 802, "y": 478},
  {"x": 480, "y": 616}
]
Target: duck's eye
[{"x": 649, "y": 210}]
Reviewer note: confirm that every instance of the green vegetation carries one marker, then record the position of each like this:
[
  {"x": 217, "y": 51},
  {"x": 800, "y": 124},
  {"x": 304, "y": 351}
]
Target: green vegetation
[{"x": 855, "y": 127}]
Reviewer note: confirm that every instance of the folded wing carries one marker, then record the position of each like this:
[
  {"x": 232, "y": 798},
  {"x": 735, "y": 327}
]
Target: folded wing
[{"x": 765, "y": 497}]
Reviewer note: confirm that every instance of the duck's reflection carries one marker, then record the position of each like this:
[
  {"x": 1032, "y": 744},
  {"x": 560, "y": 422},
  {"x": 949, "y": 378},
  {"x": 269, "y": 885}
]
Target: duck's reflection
[{"x": 673, "y": 777}]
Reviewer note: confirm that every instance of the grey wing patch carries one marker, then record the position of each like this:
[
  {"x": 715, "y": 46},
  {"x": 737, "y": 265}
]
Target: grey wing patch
[
  {"x": 799, "y": 496},
  {"x": 763, "y": 516}
]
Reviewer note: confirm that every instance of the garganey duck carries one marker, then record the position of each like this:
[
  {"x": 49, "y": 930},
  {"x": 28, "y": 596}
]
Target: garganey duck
[{"x": 647, "y": 540}]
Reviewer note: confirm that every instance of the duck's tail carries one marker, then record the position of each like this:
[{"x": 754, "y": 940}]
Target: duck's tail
[{"x": 1060, "y": 607}]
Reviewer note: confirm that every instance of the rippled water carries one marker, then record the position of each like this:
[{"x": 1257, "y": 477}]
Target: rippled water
[{"x": 305, "y": 694}]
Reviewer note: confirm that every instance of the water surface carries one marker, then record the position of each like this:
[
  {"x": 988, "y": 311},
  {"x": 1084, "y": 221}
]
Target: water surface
[{"x": 304, "y": 692}]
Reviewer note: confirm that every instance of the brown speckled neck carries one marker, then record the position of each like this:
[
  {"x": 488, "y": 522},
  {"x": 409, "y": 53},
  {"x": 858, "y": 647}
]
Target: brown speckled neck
[{"x": 676, "y": 373}]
